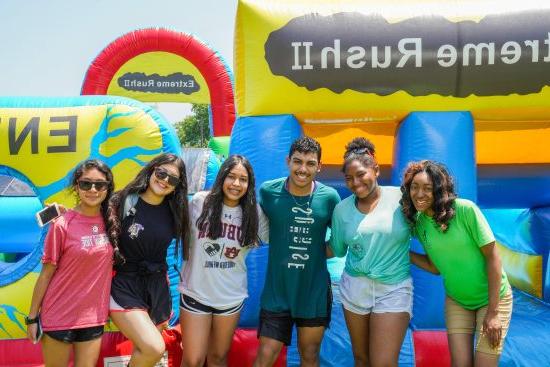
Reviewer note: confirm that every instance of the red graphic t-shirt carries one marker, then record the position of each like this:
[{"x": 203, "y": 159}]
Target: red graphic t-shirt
[{"x": 78, "y": 293}]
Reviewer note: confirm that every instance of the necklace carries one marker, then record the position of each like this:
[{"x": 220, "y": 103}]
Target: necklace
[{"x": 307, "y": 204}]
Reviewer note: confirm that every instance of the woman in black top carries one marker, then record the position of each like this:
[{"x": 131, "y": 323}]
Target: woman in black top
[{"x": 147, "y": 215}]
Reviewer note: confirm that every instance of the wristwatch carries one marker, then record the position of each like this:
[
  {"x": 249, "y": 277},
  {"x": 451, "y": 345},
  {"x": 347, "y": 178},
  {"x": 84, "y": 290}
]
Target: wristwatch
[{"x": 29, "y": 321}]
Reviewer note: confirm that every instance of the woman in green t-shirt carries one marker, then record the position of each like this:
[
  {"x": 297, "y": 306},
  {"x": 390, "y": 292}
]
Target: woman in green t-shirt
[{"x": 459, "y": 245}]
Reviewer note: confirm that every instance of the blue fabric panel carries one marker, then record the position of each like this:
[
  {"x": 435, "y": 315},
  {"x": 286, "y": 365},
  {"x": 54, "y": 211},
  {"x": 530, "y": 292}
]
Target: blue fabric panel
[
  {"x": 265, "y": 141},
  {"x": 540, "y": 232},
  {"x": 446, "y": 137},
  {"x": 512, "y": 227},
  {"x": 428, "y": 297},
  {"x": 18, "y": 226},
  {"x": 513, "y": 186},
  {"x": 256, "y": 263},
  {"x": 212, "y": 169},
  {"x": 528, "y": 337},
  {"x": 174, "y": 265}
]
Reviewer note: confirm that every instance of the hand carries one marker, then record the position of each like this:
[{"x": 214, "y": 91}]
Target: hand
[
  {"x": 492, "y": 327},
  {"x": 62, "y": 208},
  {"x": 31, "y": 333}
]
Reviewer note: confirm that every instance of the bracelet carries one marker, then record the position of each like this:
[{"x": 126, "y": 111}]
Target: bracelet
[{"x": 29, "y": 321}]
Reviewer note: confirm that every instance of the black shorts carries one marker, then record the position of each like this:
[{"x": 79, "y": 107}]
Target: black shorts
[
  {"x": 278, "y": 325},
  {"x": 150, "y": 293},
  {"x": 192, "y": 305},
  {"x": 76, "y": 335}
]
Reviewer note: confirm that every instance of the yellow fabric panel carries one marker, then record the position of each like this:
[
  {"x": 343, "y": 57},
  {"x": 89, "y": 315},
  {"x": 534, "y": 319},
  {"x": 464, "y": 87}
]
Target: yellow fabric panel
[
  {"x": 17, "y": 295},
  {"x": 260, "y": 92},
  {"x": 508, "y": 142},
  {"x": 35, "y": 132},
  {"x": 40, "y": 166},
  {"x": 524, "y": 271},
  {"x": 163, "y": 64},
  {"x": 334, "y": 137}
]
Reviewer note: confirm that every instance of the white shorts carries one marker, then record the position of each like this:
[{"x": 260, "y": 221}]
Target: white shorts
[{"x": 362, "y": 295}]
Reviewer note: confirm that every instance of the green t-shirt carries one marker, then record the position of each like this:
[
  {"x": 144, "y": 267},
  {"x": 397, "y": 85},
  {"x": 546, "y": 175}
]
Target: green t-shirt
[
  {"x": 297, "y": 278},
  {"x": 377, "y": 243},
  {"x": 456, "y": 254}
]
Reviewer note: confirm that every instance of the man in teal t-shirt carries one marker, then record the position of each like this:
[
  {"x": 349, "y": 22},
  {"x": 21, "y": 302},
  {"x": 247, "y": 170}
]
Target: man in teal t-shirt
[{"x": 297, "y": 285}]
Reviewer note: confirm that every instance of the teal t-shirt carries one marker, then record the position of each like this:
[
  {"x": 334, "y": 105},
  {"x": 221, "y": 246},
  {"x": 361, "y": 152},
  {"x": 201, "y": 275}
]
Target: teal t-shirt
[
  {"x": 456, "y": 254},
  {"x": 377, "y": 244},
  {"x": 297, "y": 278}
]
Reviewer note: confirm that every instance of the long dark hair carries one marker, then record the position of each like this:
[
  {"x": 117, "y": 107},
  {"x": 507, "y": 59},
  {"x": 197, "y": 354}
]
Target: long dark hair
[
  {"x": 177, "y": 200},
  {"x": 82, "y": 168},
  {"x": 443, "y": 192},
  {"x": 211, "y": 215}
]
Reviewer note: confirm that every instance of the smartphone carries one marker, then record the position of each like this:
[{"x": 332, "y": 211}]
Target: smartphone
[{"x": 48, "y": 214}]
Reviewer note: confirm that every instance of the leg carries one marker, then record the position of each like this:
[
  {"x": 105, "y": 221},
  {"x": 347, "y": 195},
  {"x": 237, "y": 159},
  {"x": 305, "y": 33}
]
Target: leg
[
  {"x": 55, "y": 353},
  {"x": 137, "y": 326},
  {"x": 86, "y": 353},
  {"x": 309, "y": 344},
  {"x": 460, "y": 333},
  {"x": 486, "y": 360},
  {"x": 268, "y": 351},
  {"x": 461, "y": 347},
  {"x": 221, "y": 337},
  {"x": 485, "y": 354},
  {"x": 195, "y": 330},
  {"x": 387, "y": 331},
  {"x": 358, "y": 327},
  {"x": 275, "y": 330}
]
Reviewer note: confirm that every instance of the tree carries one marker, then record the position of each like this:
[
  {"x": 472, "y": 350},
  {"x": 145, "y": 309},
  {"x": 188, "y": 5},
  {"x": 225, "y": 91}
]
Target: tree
[{"x": 193, "y": 131}]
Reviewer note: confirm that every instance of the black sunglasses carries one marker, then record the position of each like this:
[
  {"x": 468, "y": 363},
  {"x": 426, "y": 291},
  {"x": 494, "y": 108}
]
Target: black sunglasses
[
  {"x": 162, "y": 174},
  {"x": 86, "y": 185}
]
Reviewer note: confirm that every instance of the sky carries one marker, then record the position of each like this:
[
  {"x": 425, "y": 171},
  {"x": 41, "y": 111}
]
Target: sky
[{"x": 47, "y": 46}]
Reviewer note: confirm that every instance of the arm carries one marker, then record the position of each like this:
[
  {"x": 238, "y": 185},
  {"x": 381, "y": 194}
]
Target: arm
[
  {"x": 328, "y": 251},
  {"x": 263, "y": 226},
  {"x": 491, "y": 324},
  {"x": 38, "y": 295},
  {"x": 336, "y": 244},
  {"x": 423, "y": 262}
]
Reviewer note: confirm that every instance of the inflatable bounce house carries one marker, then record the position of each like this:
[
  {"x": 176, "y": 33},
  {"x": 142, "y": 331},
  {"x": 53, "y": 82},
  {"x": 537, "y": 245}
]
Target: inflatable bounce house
[
  {"x": 43, "y": 139},
  {"x": 465, "y": 83}
]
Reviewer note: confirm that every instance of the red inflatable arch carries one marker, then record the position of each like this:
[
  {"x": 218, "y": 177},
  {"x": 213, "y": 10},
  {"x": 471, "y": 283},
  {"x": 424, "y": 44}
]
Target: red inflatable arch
[{"x": 211, "y": 67}]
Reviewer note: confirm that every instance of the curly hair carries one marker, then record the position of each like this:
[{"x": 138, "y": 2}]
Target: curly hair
[
  {"x": 362, "y": 150},
  {"x": 305, "y": 145},
  {"x": 104, "y": 209},
  {"x": 211, "y": 215},
  {"x": 177, "y": 201},
  {"x": 443, "y": 192}
]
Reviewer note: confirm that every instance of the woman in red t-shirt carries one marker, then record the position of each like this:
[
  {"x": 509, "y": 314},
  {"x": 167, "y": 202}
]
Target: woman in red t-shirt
[{"x": 71, "y": 295}]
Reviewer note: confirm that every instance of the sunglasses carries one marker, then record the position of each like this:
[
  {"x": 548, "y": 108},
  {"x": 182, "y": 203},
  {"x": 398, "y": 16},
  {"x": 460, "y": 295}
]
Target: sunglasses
[
  {"x": 86, "y": 185},
  {"x": 162, "y": 174}
]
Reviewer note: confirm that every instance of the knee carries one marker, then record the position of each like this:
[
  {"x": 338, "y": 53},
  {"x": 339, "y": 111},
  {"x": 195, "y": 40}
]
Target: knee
[
  {"x": 267, "y": 354},
  {"x": 310, "y": 353},
  {"x": 361, "y": 360},
  {"x": 153, "y": 349},
  {"x": 268, "y": 351},
  {"x": 217, "y": 359},
  {"x": 190, "y": 361}
]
